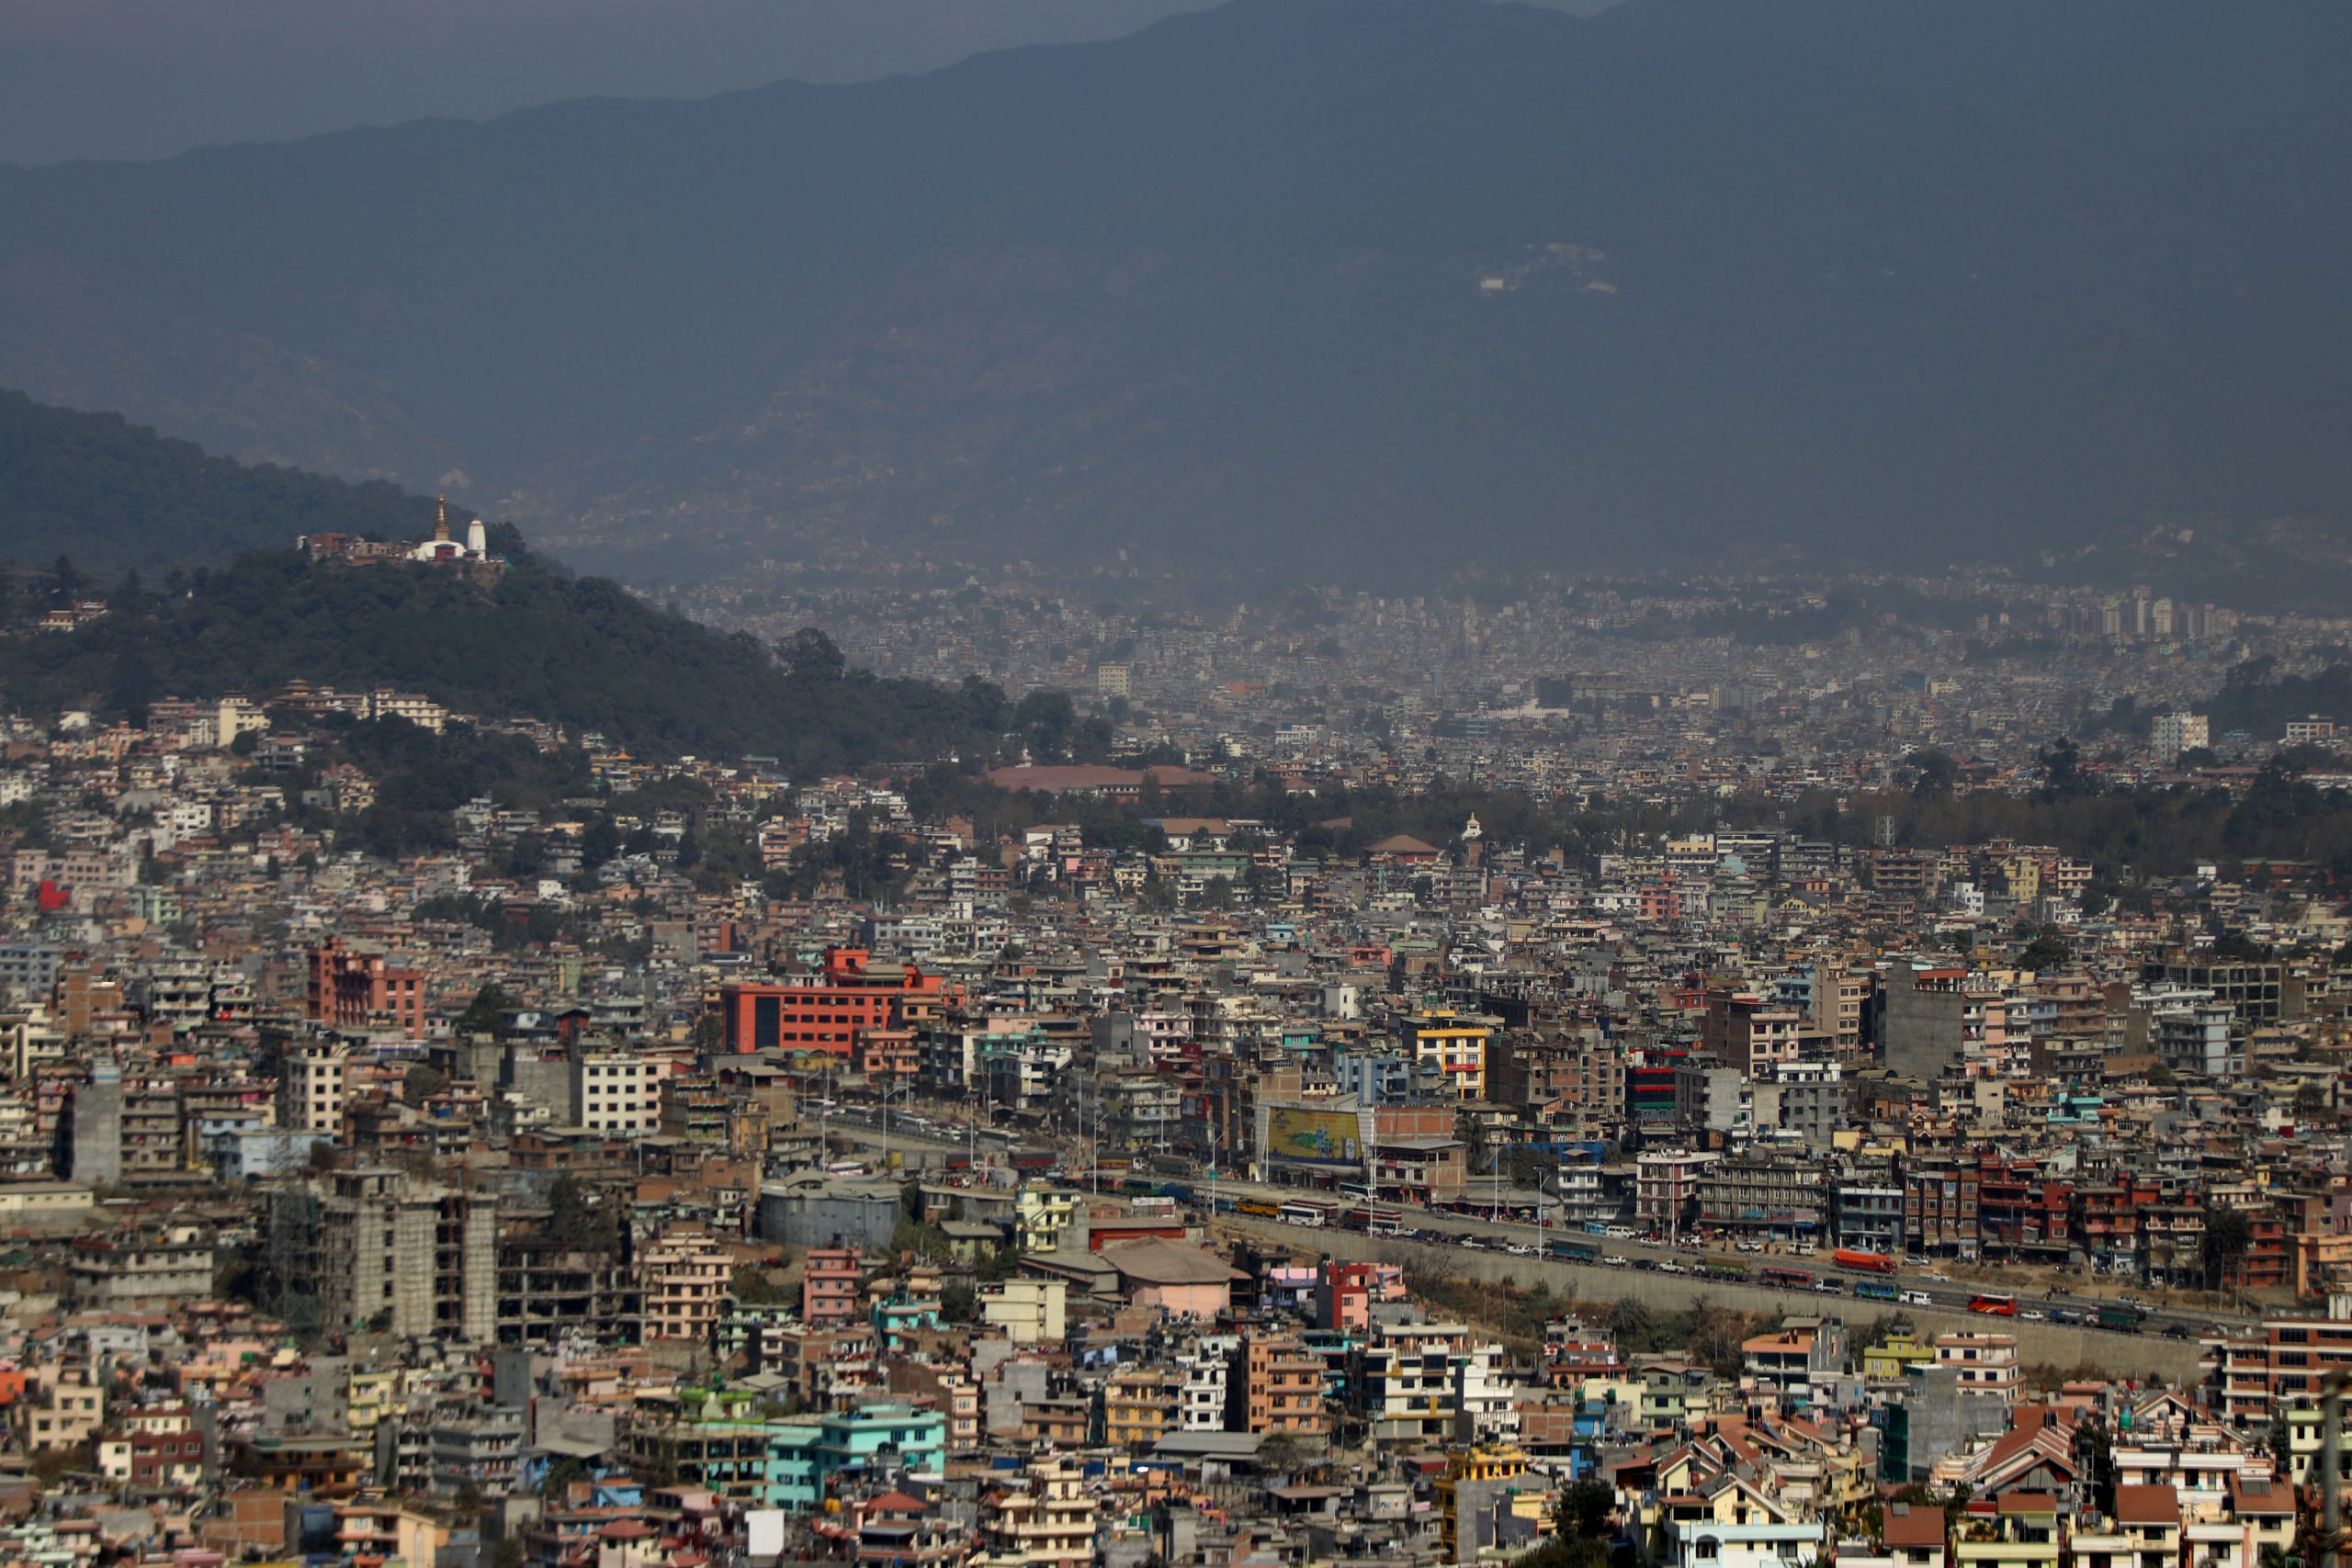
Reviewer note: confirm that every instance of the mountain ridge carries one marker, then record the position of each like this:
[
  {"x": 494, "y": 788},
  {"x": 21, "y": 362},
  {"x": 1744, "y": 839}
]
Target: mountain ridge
[{"x": 1890, "y": 279}]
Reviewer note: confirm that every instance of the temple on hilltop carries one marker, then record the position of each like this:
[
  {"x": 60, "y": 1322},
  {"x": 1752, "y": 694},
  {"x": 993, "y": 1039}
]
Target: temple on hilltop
[
  {"x": 438, "y": 550},
  {"x": 441, "y": 547}
]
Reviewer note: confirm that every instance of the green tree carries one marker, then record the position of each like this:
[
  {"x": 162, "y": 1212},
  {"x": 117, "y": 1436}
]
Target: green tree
[
  {"x": 421, "y": 1083},
  {"x": 575, "y": 1224},
  {"x": 481, "y": 1014},
  {"x": 756, "y": 1287},
  {"x": 1933, "y": 773},
  {"x": 2048, "y": 950},
  {"x": 2227, "y": 1235},
  {"x": 1585, "y": 1507},
  {"x": 1281, "y": 1454},
  {"x": 811, "y": 656},
  {"x": 1631, "y": 1326}
]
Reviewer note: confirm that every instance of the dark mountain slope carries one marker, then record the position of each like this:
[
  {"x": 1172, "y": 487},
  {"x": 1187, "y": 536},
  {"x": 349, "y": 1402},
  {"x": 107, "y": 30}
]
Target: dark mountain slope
[
  {"x": 116, "y": 496},
  {"x": 1901, "y": 278}
]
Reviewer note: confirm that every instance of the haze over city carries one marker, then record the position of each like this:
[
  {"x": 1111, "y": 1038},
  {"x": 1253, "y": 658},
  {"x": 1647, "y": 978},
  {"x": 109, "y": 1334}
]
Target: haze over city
[{"x": 1307, "y": 782}]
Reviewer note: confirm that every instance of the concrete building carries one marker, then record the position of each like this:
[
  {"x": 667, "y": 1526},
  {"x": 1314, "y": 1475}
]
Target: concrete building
[
  {"x": 1029, "y": 1311},
  {"x": 614, "y": 1091},
  {"x": 1984, "y": 1364},
  {"x": 809, "y": 1209},
  {"x": 313, "y": 1084},
  {"x": 135, "y": 1271},
  {"x": 417, "y": 1257},
  {"x": 1277, "y": 1386},
  {"x": 2170, "y": 734},
  {"x": 832, "y": 1285},
  {"x": 92, "y": 1128},
  {"x": 1666, "y": 1196},
  {"x": 686, "y": 1272}
]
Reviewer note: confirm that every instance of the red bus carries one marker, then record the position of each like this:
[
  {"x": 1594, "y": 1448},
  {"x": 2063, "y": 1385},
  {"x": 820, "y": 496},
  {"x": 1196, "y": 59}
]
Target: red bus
[
  {"x": 1793, "y": 1278},
  {"x": 1997, "y": 1306},
  {"x": 1868, "y": 1262}
]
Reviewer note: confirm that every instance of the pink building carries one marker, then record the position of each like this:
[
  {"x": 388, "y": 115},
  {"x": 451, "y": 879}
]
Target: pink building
[
  {"x": 831, "y": 1286},
  {"x": 1185, "y": 1281}
]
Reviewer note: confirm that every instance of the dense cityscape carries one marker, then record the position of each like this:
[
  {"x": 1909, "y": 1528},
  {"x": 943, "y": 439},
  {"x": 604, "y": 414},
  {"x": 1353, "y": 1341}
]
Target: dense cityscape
[{"x": 1666, "y": 1073}]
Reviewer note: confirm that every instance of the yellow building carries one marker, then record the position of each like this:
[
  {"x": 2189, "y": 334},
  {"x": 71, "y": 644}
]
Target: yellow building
[
  {"x": 1452, "y": 1044},
  {"x": 1894, "y": 1360},
  {"x": 1138, "y": 1406},
  {"x": 1465, "y": 1468},
  {"x": 1043, "y": 1215},
  {"x": 373, "y": 1394}
]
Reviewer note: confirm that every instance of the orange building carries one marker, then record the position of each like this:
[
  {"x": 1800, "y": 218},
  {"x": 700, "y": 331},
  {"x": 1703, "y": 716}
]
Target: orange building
[{"x": 825, "y": 1014}]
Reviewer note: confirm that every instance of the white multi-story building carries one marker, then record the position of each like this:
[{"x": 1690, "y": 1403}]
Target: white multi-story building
[
  {"x": 1667, "y": 1186},
  {"x": 1201, "y": 1395},
  {"x": 312, "y": 1087},
  {"x": 2192, "y": 1031},
  {"x": 415, "y": 707},
  {"x": 614, "y": 1092},
  {"x": 1987, "y": 1364},
  {"x": 2312, "y": 729},
  {"x": 2170, "y": 734},
  {"x": 1485, "y": 1394}
]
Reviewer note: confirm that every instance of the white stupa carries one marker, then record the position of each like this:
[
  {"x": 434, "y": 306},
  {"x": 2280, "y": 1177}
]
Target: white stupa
[{"x": 441, "y": 547}]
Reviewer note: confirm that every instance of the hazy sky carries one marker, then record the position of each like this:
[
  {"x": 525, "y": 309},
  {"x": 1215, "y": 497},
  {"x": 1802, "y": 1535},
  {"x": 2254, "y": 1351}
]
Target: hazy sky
[{"x": 149, "y": 78}]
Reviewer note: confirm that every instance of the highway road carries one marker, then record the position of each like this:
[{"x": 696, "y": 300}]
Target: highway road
[
  {"x": 865, "y": 1123},
  {"x": 1450, "y": 1228}
]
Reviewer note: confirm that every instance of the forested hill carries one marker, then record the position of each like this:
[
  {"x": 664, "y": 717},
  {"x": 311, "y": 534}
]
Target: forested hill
[
  {"x": 115, "y": 496},
  {"x": 583, "y": 653},
  {"x": 245, "y": 613}
]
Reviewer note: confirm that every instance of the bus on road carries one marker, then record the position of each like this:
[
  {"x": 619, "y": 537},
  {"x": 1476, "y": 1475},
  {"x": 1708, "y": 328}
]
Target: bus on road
[
  {"x": 1993, "y": 1306},
  {"x": 1790, "y": 1278}
]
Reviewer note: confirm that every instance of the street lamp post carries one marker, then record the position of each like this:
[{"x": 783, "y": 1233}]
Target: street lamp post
[
  {"x": 2330, "y": 1466},
  {"x": 888, "y": 1095}
]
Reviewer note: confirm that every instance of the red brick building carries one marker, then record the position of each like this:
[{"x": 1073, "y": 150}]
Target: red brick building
[
  {"x": 2020, "y": 1210},
  {"x": 357, "y": 989}
]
